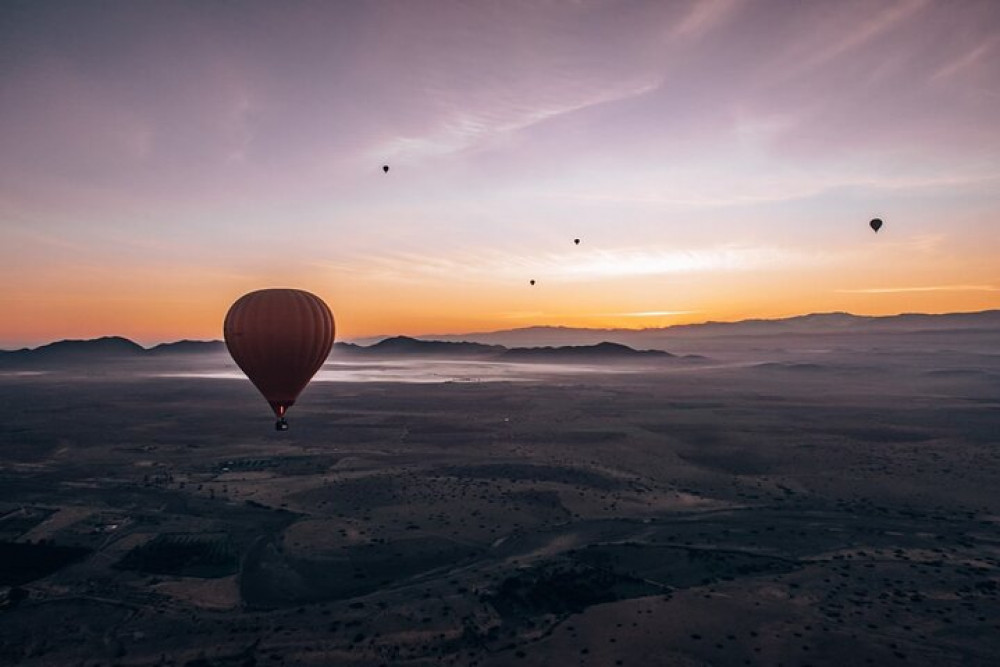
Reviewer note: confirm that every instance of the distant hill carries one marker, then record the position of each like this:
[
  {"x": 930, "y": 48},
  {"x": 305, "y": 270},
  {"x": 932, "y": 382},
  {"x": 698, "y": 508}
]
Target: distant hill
[
  {"x": 560, "y": 343},
  {"x": 189, "y": 347},
  {"x": 78, "y": 350},
  {"x": 106, "y": 349},
  {"x": 404, "y": 345},
  {"x": 846, "y": 322},
  {"x": 601, "y": 351},
  {"x": 414, "y": 347},
  {"x": 817, "y": 323},
  {"x": 218, "y": 346}
]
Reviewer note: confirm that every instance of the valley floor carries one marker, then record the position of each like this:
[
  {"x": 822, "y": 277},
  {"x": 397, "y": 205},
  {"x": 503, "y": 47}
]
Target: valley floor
[{"x": 793, "y": 512}]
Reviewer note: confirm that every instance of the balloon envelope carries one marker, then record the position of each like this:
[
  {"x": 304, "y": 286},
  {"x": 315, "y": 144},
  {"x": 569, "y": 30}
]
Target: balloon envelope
[
  {"x": 279, "y": 338},
  {"x": 876, "y": 224},
  {"x": 576, "y": 241},
  {"x": 385, "y": 168}
]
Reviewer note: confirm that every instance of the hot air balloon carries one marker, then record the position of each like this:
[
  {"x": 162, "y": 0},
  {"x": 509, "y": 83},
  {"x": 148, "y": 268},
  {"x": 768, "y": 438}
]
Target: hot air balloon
[
  {"x": 576, "y": 241},
  {"x": 385, "y": 168},
  {"x": 532, "y": 282},
  {"x": 279, "y": 338},
  {"x": 876, "y": 224}
]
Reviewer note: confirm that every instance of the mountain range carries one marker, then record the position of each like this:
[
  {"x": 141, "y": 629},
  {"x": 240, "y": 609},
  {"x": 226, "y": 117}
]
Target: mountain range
[
  {"x": 550, "y": 343},
  {"x": 115, "y": 348},
  {"x": 816, "y": 323}
]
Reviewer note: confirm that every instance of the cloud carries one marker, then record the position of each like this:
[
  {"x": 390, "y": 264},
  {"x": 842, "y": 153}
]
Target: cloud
[
  {"x": 703, "y": 16},
  {"x": 537, "y": 314},
  {"x": 501, "y": 266},
  {"x": 966, "y": 60},
  {"x": 853, "y": 35},
  {"x": 867, "y": 80},
  {"x": 644, "y": 262},
  {"x": 464, "y": 128},
  {"x": 655, "y": 313},
  {"x": 927, "y": 288}
]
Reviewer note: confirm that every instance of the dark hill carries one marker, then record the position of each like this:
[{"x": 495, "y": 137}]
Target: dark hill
[
  {"x": 816, "y": 323},
  {"x": 80, "y": 350},
  {"x": 219, "y": 347},
  {"x": 839, "y": 322},
  {"x": 189, "y": 347},
  {"x": 102, "y": 350},
  {"x": 404, "y": 345},
  {"x": 601, "y": 351}
]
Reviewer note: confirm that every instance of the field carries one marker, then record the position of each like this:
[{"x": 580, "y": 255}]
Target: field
[{"x": 769, "y": 505}]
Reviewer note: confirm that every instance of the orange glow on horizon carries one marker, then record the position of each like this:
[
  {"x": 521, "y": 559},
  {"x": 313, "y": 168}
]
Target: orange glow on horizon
[{"x": 154, "y": 307}]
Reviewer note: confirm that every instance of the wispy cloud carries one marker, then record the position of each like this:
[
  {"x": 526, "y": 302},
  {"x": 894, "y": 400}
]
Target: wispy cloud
[
  {"x": 465, "y": 127},
  {"x": 926, "y": 288},
  {"x": 762, "y": 182},
  {"x": 848, "y": 37},
  {"x": 643, "y": 262},
  {"x": 536, "y": 314},
  {"x": 499, "y": 266},
  {"x": 703, "y": 16},
  {"x": 966, "y": 60},
  {"x": 655, "y": 313}
]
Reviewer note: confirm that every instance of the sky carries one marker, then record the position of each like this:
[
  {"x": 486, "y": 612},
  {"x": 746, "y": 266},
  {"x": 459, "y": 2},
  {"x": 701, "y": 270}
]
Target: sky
[{"x": 718, "y": 160}]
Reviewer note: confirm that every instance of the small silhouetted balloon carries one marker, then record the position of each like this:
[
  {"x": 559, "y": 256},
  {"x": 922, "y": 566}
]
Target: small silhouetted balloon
[
  {"x": 576, "y": 241},
  {"x": 385, "y": 168},
  {"x": 532, "y": 282},
  {"x": 876, "y": 224}
]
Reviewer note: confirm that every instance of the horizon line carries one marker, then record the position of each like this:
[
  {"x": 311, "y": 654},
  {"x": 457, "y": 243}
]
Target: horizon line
[{"x": 355, "y": 339}]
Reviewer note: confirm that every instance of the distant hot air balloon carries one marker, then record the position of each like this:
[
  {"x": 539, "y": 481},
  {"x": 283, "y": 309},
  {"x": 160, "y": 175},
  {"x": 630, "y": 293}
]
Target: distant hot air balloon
[
  {"x": 576, "y": 241},
  {"x": 532, "y": 282},
  {"x": 279, "y": 338},
  {"x": 385, "y": 168},
  {"x": 876, "y": 224}
]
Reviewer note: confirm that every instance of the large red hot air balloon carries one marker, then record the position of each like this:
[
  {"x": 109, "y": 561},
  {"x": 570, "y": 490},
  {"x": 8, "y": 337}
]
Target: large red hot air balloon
[{"x": 279, "y": 338}]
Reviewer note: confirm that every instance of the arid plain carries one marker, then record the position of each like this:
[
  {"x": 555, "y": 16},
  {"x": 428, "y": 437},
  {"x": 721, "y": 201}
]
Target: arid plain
[{"x": 780, "y": 500}]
